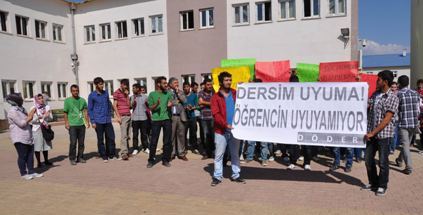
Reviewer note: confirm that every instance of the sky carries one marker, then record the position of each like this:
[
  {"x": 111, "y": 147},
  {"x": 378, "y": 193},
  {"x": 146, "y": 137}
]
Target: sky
[{"x": 385, "y": 24}]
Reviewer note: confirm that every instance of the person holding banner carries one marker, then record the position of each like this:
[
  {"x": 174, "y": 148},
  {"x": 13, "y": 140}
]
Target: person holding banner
[
  {"x": 223, "y": 110},
  {"x": 383, "y": 105},
  {"x": 408, "y": 121}
]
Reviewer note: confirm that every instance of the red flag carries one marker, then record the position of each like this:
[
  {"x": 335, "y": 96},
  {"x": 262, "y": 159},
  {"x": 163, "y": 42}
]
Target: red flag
[
  {"x": 277, "y": 71},
  {"x": 338, "y": 71},
  {"x": 371, "y": 80}
]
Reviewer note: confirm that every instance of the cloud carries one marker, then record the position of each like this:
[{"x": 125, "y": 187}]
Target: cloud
[{"x": 374, "y": 48}]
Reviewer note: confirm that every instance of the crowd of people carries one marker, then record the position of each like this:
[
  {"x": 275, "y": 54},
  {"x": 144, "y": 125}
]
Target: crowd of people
[{"x": 394, "y": 119}]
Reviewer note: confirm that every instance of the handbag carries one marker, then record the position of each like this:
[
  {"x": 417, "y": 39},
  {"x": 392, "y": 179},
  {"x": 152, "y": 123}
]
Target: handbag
[{"x": 48, "y": 133}]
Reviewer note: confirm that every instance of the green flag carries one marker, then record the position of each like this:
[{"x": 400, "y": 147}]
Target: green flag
[
  {"x": 250, "y": 62},
  {"x": 307, "y": 72}
]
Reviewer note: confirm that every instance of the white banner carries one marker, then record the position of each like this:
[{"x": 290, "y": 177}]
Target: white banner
[{"x": 320, "y": 114}]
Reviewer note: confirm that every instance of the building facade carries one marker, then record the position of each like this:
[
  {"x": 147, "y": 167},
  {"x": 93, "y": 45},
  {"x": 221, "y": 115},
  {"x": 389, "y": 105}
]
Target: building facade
[{"x": 143, "y": 39}]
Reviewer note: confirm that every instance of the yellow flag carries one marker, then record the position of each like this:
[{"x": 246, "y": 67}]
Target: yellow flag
[{"x": 239, "y": 75}]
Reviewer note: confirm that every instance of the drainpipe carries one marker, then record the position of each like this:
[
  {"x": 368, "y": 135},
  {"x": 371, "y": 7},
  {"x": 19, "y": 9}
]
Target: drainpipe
[{"x": 74, "y": 55}]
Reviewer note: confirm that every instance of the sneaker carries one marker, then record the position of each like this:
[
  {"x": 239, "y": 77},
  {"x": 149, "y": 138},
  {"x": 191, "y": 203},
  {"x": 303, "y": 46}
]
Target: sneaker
[
  {"x": 106, "y": 160},
  {"x": 149, "y": 165},
  {"x": 286, "y": 159},
  {"x": 241, "y": 158},
  {"x": 37, "y": 175},
  {"x": 166, "y": 164},
  {"x": 135, "y": 152},
  {"x": 368, "y": 187},
  {"x": 27, "y": 177},
  {"x": 301, "y": 158},
  {"x": 195, "y": 151},
  {"x": 348, "y": 169},
  {"x": 291, "y": 166},
  {"x": 408, "y": 171},
  {"x": 278, "y": 153},
  {"x": 147, "y": 151},
  {"x": 239, "y": 180},
  {"x": 72, "y": 162},
  {"x": 215, "y": 182},
  {"x": 398, "y": 162},
  {"x": 272, "y": 158},
  {"x": 380, "y": 191},
  {"x": 333, "y": 167},
  {"x": 264, "y": 163},
  {"x": 307, "y": 167}
]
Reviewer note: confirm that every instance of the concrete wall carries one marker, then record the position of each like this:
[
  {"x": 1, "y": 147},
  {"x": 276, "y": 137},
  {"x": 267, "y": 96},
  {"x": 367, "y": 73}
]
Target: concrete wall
[
  {"x": 416, "y": 41},
  {"x": 199, "y": 50},
  {"x": 134, "y": 57},
  {"x": 299, "y": 40},
  {"x": 29, "y": 59}
]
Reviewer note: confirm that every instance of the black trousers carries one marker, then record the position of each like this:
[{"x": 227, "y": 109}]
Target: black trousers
[
  {"x": 138, "y": 127},
  {"x": 77, "y": 138},
  {"x": 25, "y": 158},
  {"x": 156, "y": 126},
  {"x": 381, "y": 146}
]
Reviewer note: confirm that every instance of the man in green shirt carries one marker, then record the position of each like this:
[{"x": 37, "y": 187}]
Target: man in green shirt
[
  {"x": 76, "y": 120},
  {"x": 159, "y": 102}
]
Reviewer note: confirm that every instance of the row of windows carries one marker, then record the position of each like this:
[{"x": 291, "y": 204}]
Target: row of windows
[
  {"x": 28, "y": 89},
  {"x": 121, "y": 29},
  {"x": 287, "y": 10},
  {"x": 23, "y": 27}
]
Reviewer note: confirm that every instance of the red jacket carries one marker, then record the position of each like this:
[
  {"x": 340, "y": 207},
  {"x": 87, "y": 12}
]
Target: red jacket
[{"x": 218, "y": 108}]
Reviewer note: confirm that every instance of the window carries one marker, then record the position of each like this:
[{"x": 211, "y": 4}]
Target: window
[
  {"x": 188, "y": 78},
  {"x": 206, "y": 18},
  {"x": 28, "y": 89},
  {"x": 156, "y": 24},
  {"x": 61, "y": 90},
  {"x": 57, "y": 32},
  {"x": 108, "y": 86},
  {"x": 89, "y": 33},
  {"x": 121, "y": 30},
  {"x": 206, "y": 76},
  {"x": 105, "y": 33},
  {"x": 138, "y": 26},
  {"x": 22, "y": 25},
  {"x": 8, "y": 87},
  {"x": 337, "y": 7},
  {"x": 3, "y": 21},
  {"x": 40, "y": 29},
  {"x": 287, "y": 9},
  {"x": 311, "y": 8},
  {"x": 187, "y": 20},
  {"x": 91, "y": 86},
  {"x": 241, "y": 14},
  {"x": 141, "y": 81},
  {"x": 46, "y": 88},
  {"x": 264, "y": 11}
]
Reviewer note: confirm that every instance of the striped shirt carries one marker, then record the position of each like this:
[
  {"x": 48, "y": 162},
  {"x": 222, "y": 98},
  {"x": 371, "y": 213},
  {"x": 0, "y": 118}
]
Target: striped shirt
[{"x": 408, "y": 109}]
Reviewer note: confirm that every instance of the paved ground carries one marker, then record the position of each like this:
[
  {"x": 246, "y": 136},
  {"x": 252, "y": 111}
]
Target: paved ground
[{"x": 128, "y": 187}]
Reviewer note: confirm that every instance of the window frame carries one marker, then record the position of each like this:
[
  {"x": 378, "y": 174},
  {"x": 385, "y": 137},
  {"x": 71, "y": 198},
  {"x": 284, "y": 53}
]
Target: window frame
[
  {"x": 141, "y": 80},
  {"x": 106, "y": 31},
  {"x": 287, "y": 7},
  {"x": 6, "y": 84},
  {"x": 154, "y": 19},
  {"x": 27, "y": 29},
  {"x": 39, "y": 30},
  {"x": 207, "y": 14},
  {"x": 140, "y": 23},
  {"x": 57, "y": 35},
  {"x": 312, "y": 16},
  {"x": 337, "y": 13},
  {"x": 4, "y": 23},
  {"x": 110, "y": 90},
  {"x": 123, "y": 26},
  {"x": 182, "y": 17},
  {"x": 25, "y": 90},
  {"x": 264, "y": 12},
  {"x": 49, "y": 90},
  {"x": 241, "y": 15},
  {"x": 91, "y": 32}
]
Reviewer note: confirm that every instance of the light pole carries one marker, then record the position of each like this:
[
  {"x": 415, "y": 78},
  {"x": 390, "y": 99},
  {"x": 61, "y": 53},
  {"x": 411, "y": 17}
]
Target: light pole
[{"x": 363, "y": 44}]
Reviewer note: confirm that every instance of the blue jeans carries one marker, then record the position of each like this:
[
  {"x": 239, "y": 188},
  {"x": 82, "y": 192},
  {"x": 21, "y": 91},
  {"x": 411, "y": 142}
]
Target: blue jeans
[
  {"x": 264, "y": 150},
  {"x": 337, "y": 154},
  {"x": 25, "y": 158},
  {"x": 395, "y": 141},
  {"x": 106, "y": 130},
  {"x": 358, "y": 153},
  {"x": 221, "y": 141}
]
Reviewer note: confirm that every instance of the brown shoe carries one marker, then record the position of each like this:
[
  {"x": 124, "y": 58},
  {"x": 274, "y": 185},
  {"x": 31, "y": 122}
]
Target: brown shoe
[{"x": 184, "y": 158}]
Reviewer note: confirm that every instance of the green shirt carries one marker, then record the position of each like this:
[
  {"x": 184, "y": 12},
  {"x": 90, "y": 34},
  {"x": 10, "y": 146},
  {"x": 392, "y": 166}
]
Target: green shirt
[
  {"x": 162, "y": 111},
  {"x": 75, "y": 110}
]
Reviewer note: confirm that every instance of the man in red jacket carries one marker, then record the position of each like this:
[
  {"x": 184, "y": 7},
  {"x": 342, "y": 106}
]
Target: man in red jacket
[{"x": 223, "y": 109}]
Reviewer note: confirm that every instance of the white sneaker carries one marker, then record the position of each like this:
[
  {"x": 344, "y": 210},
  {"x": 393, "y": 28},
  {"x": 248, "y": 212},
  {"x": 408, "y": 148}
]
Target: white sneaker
[
  {"x": 271, "y": 158},
  {"x": 36, "y": 175},
  {"x": 301, "y": 158},
  {"x": 27, "y": 177},
  {"x": 278, "y": 153},
  {"x": 291, "y": 166},
  {"x": 135, "y": 152},
  {"x": 307, "y": 167},
  {"x": 241, "y": 158},
  {"x": 147, "y": 151},
  {"x": 106, "y": 161}
]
